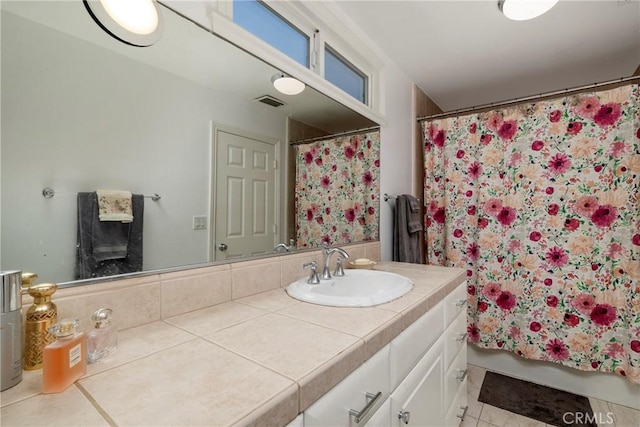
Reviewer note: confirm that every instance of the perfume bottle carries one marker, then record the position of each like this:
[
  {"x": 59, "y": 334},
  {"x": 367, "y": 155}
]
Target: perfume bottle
[
  {"x": 64, "y": 360},
  {"x": 103, "y": 339}
]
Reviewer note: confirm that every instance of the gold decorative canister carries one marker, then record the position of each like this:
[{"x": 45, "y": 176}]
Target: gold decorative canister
[{"x": 40, "y": 317}]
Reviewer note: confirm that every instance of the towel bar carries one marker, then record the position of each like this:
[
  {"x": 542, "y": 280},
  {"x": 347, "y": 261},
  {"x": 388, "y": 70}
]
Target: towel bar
[{"x": 49, "y": 192}]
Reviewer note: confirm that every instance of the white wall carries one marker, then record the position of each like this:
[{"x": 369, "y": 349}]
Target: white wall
[
  {"x": 396, "y": 151},
  {"x": 76, "y": 117}
]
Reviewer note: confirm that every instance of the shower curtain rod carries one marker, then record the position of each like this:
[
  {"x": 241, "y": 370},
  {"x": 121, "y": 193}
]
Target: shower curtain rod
[
  {"x": 335, "y": 135},
  {"x": 525, "y": 99}
]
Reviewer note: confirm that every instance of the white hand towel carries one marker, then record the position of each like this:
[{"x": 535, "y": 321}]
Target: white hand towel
[{"x": 114, "y": 205}]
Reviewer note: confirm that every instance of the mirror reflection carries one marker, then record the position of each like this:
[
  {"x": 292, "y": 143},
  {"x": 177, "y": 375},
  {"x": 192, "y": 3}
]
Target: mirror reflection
[{"x": 83, "y": 112}]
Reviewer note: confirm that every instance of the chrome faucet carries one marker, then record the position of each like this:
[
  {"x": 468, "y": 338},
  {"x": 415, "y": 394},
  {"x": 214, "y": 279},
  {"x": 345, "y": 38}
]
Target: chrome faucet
[
  {"x": 285, "y": 247},
  {"x": 326, "y": 254}
]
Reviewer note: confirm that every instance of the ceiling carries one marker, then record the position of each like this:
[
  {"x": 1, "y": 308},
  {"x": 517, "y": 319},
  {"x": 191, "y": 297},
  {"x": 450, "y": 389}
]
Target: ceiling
[{"x": 466, "y": 53}]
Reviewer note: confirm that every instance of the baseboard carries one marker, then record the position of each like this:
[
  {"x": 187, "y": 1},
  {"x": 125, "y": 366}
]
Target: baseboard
[{"x": 599, "y": 385}]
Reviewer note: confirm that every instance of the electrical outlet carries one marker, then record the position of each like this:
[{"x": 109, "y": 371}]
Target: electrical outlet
[{"x": 199, "y": 222}]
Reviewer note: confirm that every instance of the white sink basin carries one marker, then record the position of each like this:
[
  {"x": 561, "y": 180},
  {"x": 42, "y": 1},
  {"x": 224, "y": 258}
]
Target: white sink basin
[{"x": 357, "y": 288}]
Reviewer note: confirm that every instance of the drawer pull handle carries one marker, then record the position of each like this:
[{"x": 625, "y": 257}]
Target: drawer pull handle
[
  {"x": 462, "y": 337},
  {"x": 464, "y": 412},
  {"x": 371, "y": 400},
  {"x": 461, "y": 303},
  {"x": 463, "y": 375},
  {"x": 404, "y": 416}
]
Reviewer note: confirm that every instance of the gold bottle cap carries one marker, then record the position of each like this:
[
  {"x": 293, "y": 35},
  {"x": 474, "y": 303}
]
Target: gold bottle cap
[{"x": 42, "y": 290}]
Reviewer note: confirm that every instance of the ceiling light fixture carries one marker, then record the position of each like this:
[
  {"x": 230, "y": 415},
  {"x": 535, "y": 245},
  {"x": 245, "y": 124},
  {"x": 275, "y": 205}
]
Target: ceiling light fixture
[
  {"x": 134, "y": 22},
  {"x": 287, "y": 85},
  {"x": 522, "y": 10}
]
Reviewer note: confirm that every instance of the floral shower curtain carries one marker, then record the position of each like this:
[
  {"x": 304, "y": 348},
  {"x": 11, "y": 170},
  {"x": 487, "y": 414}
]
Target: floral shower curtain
[
  {"x": 337, "y": 190},
  {"x": 540, "y": 203}
]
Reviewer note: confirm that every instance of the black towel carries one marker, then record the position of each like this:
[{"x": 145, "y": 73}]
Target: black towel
[
  {"x": 406, "y": 224},
  {"x": 107, "y": 248}
]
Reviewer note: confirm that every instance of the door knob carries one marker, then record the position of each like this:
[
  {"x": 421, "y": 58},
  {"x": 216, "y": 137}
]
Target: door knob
[
  {"x": 223, "y": 247},
  {"x": 405, "y": 416}
]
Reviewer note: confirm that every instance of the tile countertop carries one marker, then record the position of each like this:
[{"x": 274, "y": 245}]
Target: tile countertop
[{"x": 258, "y": 360}]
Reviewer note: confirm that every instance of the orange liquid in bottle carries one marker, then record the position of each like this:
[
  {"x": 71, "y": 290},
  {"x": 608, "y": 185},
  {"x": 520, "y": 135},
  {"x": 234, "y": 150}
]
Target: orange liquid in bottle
[{"x": 64, "y": 362}]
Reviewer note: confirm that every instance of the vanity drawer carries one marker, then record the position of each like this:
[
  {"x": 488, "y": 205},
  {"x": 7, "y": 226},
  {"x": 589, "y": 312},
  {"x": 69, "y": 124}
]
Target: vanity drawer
[
  {"x": 458, "y": 410},
  {"x": 455, "y": 378},
  {"x": 455, "y": 338},
  {"x": 407, "y": 348},
  {"x": 333, "y": 408},
  {"x": 455, "y": 303}
]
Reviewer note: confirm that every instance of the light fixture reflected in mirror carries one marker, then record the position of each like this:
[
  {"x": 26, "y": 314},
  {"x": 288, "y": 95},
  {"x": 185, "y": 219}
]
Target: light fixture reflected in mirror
[
  {"x": 134, "y": 22},
  {"x": 287, "y": 85},
  {"x": 522, "y": 10}
]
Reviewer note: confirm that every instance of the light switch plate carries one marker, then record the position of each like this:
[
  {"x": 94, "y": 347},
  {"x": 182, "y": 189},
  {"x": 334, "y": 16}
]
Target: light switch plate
[{"x": 200, "y": 222}]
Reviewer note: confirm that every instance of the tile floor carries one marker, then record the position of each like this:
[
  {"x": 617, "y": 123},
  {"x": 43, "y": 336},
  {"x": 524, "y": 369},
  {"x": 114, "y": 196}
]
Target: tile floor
[{"x": 483, "y": 415}]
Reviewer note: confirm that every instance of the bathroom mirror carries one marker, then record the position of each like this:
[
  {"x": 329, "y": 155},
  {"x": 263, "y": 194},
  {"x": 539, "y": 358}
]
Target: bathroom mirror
[{"x": 82, "y": 111}]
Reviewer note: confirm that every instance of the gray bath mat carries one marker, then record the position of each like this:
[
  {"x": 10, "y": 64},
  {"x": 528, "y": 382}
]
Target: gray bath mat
[{"x": 551, "y": 406}]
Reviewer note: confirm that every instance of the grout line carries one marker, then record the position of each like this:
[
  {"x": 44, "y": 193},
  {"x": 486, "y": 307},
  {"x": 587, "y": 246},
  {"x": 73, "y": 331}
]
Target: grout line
[{"x": 95, "y": 404}]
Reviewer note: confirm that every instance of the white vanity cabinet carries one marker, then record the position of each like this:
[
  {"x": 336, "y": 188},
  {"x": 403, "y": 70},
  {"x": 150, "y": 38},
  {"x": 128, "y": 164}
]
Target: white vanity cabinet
[{"x": 420, "y": 377}]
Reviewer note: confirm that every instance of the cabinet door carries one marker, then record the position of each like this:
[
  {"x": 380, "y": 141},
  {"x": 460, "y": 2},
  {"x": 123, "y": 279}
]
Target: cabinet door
[{"x": 418, "y": 400}]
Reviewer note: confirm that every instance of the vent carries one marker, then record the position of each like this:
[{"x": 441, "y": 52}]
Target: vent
[{"x": 270, "y": 100}]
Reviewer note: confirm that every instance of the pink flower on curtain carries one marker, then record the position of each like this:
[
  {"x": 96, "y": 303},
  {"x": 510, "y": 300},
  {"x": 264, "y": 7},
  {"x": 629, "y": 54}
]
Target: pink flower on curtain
[
  {"x": 553, "y": 209},
  {"x": 506, "y": 300},
  {"x": 614, "y": 349},
  {"x": 439, "y": 215},
  {"x": 603, "y": 314},
  {"x": 555, "y": 115},
  {"x": 604, "y": 216},
  {"x": 537, "y": 145},
  {"x": 556, "y": 256},
  {"x": 475, "y": 169},
  {"x": 308, "y": 157},
  {"x": 588, "y": 107},
  {"x": 349, "y": 152},
  {"x": 571, "y": 320},
  {"x": 325, "y": 181},
  {"x": 560, "y": 163},
  {"x": 636, "y": 239},
  {"x": 535, "y": 326},
  {"x": 367, "y": 178},
  {"x": 485, "y": 139},
  {"x": 635, "y": 346},
  {"x": 574, "y": 128},
  {"x": 585, "y": 206},
  {"x": 474, "y": 333},
  {"x": 493, "y": 206},
  {"x": 506, "y": 216},
  {"x": 494, "y": 122},
  {"x": 508, "y": 129},
  {"x": 491, "y": 290},
  {"x": 439, "y": 138},
  {"x": 473, "y": 251},
  {"x": 473, "y": 127},
  {"x": 557, "y": 349},
  {"x": 571, "y": 224},
  {"x": 607, "y": 115}
]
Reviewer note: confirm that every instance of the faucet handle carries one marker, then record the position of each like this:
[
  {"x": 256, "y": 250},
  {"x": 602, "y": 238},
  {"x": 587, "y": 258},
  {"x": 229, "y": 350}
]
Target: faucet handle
[
  {"x": 339, "y": 270},
  {"x": 313, "y": 278}
]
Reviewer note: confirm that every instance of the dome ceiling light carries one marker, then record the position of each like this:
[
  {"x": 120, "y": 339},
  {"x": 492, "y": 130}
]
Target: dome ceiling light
[
  {"x": 522, "y": 10},
  {"x": 134, "y": 22},
  {"x": 287, "y": 85}
]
